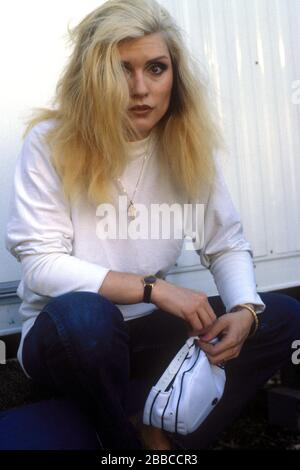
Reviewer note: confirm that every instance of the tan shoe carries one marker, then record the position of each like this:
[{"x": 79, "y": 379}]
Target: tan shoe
[{"x": 152, "y": 438}]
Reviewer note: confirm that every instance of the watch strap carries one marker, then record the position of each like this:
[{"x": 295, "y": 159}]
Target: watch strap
[
  {"x": 149, "y": 281},
  {"x": 147, "y": 293}
]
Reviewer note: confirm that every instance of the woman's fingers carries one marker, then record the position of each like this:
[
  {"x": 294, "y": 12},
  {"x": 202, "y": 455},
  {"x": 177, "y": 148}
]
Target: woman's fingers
[
  {"x": 224, "y": 357},
  {"x": 205, "y": 314},
  {"x": 214, "y": 331},
  {"x": 226, "y": 344},
  {"x": 210, "y": 312},
  {"x": 200, "y": 320},
  {"x": 196, "y": 322},
  {"x": 205, "y": 310},
  {"x": 227, "y": 348},
  {"x": 205, "y": 319},
  {"x": 230, "y": 327},
  {"x": 221, "y": 351}
]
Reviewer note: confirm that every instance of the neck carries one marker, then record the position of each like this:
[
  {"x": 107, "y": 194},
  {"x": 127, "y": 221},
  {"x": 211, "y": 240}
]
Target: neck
[{"x": 140, "y": 138}]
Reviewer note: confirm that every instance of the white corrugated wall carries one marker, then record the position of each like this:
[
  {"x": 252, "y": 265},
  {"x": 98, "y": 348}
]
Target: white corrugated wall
[{"x": 250, "y": 49}]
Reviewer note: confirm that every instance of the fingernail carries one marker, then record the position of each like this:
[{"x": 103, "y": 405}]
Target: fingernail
[{"x": 205, "y": 338}]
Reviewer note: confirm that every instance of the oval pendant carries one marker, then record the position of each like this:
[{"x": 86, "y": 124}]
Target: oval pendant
[{"x": 131, "y": 211}]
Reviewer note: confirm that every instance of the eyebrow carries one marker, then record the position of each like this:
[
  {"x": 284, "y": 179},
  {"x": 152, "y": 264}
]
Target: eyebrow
[{"x": 148, "y": 61}]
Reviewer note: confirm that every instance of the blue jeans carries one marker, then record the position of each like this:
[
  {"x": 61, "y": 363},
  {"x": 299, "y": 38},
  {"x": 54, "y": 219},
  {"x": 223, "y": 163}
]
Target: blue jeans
[{"x": 81, "y": 347}]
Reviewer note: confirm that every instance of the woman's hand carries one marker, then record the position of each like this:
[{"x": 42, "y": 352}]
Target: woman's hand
[
  {"x": 233, "y": 328},
  {"x": 188, "y": 304}
]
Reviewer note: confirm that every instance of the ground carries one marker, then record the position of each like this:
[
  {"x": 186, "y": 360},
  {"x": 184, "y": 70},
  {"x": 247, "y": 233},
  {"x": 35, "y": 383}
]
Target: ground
[{"x": 250, "y": 431}]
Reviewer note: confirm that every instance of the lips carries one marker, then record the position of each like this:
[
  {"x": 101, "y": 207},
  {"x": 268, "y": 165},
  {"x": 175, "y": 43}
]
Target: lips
[{"x": 140, "y": 108}]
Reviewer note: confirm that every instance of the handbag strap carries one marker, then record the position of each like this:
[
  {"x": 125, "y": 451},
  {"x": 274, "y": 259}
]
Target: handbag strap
[{"x": 175, "y": 365}]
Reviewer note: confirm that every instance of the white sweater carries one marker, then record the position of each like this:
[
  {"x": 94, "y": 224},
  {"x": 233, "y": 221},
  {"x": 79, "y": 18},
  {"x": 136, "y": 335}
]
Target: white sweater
[{"x": 59, "y": 250}]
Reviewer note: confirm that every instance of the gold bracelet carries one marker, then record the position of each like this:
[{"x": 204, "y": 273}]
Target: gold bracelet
[{"x": 255, "y": 317}]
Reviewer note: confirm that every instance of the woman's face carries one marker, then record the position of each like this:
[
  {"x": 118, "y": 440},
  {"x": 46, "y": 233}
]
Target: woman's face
[{"x": 148, "y": 67}]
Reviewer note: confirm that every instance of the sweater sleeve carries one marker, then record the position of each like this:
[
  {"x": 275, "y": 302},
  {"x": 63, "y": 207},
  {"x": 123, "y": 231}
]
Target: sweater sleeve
[
  {"x": 39, "y": 231},
  {"x": 225, "y": 251}
]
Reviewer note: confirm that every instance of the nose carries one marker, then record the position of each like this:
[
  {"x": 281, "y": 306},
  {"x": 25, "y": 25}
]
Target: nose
[{"x": 138, "y": 84}]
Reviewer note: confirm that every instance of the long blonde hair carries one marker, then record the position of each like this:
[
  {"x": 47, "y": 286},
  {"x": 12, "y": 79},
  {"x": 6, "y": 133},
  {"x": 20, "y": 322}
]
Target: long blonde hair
[{"x": 88, "y": 139}]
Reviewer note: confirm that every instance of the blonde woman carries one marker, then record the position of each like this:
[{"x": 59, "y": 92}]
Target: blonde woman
[{"x": 131, "y": 122}]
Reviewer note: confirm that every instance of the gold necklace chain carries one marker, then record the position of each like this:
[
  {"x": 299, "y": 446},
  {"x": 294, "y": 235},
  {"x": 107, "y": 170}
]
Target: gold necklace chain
[{"x": 131, "y": 209}]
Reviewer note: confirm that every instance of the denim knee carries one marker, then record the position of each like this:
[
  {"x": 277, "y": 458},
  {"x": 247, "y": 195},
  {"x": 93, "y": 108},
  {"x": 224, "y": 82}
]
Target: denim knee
[
  {"x": 87, "y": 321},
  {"x": 284, "y": 310}
]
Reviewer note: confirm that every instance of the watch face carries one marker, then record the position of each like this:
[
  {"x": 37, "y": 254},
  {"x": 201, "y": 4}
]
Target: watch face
[{"x": 150, "y": 279}]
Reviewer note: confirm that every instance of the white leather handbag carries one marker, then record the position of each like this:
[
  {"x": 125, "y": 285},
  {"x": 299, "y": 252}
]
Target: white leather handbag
[{"x": 186, "y": 393}]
